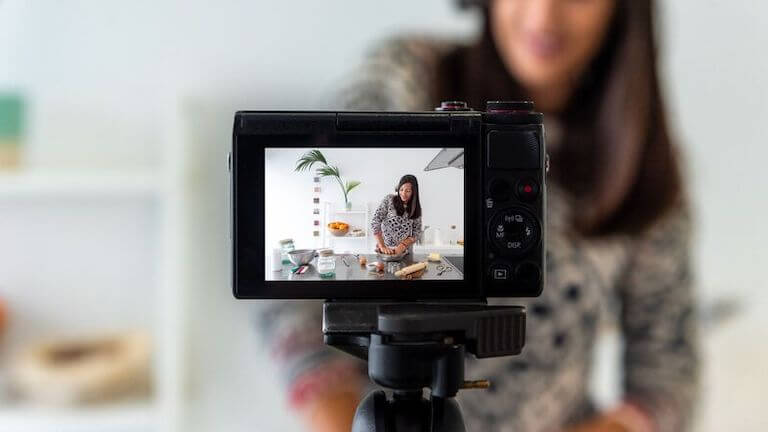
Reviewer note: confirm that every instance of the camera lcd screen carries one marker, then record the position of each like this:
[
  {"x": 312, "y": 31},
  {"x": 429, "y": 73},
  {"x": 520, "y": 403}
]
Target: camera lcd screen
[
  {"x": 328, "y": 205},
  {"x": 363, "y": 214}
]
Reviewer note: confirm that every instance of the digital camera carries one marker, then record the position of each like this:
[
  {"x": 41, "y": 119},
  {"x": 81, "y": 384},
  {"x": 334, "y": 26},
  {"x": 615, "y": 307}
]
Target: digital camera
[{"x": 389, "y": 206}]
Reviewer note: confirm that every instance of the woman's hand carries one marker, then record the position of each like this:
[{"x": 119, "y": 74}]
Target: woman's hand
[
  {"x": 599, "y": 425},
  {"x": 625, "y": 418},
  {"x": 385, "y": 250},
  {"x": 400, "y": 248},
  {"x": 332, "y": 413}
]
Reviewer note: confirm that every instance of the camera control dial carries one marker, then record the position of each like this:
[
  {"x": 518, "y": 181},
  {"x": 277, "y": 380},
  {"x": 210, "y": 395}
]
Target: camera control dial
[{"x": 513, "y": 231}]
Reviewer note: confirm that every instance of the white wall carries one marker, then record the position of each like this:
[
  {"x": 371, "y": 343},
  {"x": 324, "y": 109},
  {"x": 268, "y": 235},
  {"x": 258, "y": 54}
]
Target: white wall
[
  {"x": 98, "y": 73},
  {"x": 289, "y": 194},
  {"x": 717, "y": 82}
]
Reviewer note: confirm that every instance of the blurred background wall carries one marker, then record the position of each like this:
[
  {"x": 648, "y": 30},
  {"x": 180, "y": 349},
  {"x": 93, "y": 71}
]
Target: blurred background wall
[{"x": 115, "y": 217}]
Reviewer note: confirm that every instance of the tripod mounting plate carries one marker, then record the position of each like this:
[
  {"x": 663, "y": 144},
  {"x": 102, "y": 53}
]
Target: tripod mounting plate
[{"x": 485, "y": 331}]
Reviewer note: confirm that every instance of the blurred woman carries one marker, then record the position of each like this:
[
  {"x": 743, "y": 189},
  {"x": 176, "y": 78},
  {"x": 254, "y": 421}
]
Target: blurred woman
[{"x": 618, "y": 219}]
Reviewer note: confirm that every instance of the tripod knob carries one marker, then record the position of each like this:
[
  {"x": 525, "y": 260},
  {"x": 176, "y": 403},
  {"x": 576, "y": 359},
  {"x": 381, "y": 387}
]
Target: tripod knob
[{"x": 476, "y": 385}]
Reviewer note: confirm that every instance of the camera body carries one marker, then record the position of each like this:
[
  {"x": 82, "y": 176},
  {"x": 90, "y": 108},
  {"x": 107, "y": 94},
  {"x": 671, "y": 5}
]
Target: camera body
[{"x": 501, "y": 151}]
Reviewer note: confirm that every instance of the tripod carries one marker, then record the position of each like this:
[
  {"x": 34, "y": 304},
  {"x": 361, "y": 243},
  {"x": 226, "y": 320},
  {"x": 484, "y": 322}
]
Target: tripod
[{"x": 413, "y": 346}]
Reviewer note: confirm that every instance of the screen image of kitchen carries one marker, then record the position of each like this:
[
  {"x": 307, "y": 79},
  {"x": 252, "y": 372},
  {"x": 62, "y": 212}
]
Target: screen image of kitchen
[{"x": 364, "y": 214}]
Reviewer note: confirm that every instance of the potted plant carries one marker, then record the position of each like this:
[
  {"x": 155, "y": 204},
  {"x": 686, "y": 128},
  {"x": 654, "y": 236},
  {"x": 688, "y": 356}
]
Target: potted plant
[{"x": 312, "y": 157}]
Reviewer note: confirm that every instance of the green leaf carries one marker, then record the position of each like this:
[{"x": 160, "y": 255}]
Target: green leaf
[
  {"x": 328, "y": 171},
  {"x": 308, "y": 159},
  {"x": 351, "y": 184}
]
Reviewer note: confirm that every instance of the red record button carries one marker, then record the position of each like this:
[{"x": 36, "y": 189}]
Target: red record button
[{"x": 527, "y": 190}]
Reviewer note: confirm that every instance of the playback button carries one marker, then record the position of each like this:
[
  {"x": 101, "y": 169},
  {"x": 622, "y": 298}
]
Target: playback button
[{"x": 500, "y": 272}]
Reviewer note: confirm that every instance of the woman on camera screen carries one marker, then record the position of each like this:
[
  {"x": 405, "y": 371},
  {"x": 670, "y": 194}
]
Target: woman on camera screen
[
  {"x": 396, "y": 224},
  {"x": 617, "y": 218}
]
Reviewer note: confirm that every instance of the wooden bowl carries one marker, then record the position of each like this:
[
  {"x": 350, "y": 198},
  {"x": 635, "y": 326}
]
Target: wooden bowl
[{"x": 338, "y": 232}]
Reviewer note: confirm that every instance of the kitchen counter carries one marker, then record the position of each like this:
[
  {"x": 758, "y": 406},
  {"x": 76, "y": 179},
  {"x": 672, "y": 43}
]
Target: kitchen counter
[{"x": 354, "y": 271}]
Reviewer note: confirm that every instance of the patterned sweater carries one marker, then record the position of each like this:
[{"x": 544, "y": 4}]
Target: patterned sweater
[
  {"x": 642, "y": 283},
  {"x": 394, "y": 228}
]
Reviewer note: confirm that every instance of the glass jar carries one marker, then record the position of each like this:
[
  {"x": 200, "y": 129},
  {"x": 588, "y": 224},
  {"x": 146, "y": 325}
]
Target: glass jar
[
  {"x": 326, "y": 264},
  {"x": 286, "y": 245}
]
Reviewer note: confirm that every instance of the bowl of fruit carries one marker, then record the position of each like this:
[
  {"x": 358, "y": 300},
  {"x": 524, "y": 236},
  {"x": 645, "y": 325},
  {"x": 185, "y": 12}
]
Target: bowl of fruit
[{"x": 339, "y": 229}]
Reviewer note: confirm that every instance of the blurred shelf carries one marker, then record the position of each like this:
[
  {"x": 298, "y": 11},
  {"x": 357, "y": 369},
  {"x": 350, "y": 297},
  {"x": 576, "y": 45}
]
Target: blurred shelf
[
  {"x": 55, "y": 184},
  {"x": 123, "y": 417}
]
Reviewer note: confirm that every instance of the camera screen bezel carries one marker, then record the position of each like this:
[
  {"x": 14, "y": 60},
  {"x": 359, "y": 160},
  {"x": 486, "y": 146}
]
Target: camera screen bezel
[{"x": 256, "y": 131}]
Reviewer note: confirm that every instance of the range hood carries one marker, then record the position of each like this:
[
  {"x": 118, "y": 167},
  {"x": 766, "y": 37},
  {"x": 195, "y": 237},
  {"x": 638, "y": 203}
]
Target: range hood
[{"x": 447, "y": 157}]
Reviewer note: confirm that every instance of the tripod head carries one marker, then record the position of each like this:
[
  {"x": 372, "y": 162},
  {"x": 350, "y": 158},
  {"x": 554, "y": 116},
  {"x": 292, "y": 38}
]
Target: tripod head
[{"x": 412, "y": 346}]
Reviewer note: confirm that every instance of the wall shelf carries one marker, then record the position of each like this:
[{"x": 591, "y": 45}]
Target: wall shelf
[
  {"x": 95, "y": 201},
  {"x": 359, "y": 219}
]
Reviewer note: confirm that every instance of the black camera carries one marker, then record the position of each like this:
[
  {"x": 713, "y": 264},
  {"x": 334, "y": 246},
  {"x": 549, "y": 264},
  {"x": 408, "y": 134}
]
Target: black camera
[{"x": 313, "y": 193}]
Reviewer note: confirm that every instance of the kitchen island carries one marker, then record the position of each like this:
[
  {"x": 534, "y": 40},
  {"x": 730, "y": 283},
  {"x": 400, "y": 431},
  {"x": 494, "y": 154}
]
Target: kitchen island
[{"x": 449, "y": 268}]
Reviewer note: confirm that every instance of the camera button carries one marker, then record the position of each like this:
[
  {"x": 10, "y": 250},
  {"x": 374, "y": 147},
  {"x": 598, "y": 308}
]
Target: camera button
[
  {"x": 527, "y": 190},
  {"x": 528, "y": 273},
  {"x": 500, "y": 272}
]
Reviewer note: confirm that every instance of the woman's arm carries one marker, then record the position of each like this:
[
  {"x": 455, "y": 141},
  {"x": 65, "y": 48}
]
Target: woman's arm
[
  {"x": 378, "y": 217},
  {"x": 323, "y": 384},
  {"x": 403, "y": 245},
  {"x": 332, "y": 413},
  {"x": 381, "y": 246},
  {"x": 659, "y": 324},
  {"x": 408, "y": 241}
]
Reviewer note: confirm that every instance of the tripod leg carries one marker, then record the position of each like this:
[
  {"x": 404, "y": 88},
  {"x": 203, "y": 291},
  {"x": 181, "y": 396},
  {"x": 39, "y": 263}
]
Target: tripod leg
[
  {"x": 446, "y": 415},
  {"x": 407, "y": 412}
]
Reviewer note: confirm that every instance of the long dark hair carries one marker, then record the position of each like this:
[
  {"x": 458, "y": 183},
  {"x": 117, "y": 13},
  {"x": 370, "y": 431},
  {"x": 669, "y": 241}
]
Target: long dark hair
[
  {"x": 616, "y": 157},
  {"x": 413, "y": 208}
]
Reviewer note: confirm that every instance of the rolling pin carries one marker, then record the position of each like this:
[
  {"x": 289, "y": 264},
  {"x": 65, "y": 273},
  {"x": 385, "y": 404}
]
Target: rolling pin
[{"x": 411, "y": 269}]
